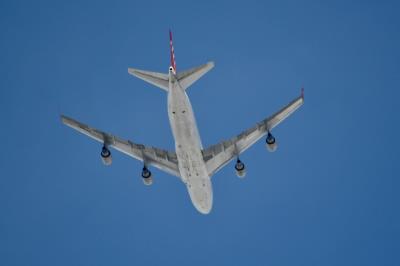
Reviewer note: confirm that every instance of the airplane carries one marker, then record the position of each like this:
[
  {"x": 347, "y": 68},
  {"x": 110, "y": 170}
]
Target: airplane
[{"x": 190, "y": 162}]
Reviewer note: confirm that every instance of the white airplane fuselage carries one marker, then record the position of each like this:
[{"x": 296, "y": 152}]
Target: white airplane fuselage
[
  {"x": 188, "y": 147},
  {"x": 188, "y": 162}
]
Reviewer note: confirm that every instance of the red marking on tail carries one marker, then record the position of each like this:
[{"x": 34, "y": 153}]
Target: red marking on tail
[{"x": 173, "y": 62}]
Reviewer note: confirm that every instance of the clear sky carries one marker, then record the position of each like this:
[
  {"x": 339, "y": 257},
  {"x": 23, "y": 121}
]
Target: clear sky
[{"x": 328, "y": 196}]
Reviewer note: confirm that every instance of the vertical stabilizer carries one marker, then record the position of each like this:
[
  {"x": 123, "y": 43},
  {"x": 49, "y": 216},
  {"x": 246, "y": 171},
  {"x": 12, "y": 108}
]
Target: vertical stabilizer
[{"x": 171, "y": 46}]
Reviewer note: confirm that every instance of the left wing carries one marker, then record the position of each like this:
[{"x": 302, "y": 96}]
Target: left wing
[
  {"x": 161, "y": 159},
  {"x": 218, "y": 155}
]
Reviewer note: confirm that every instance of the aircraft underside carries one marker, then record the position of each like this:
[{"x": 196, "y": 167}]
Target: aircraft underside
[{"x": 190, "y": 162}]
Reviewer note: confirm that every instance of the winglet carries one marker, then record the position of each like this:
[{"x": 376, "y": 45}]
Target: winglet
[
  {"x": 302, "y": 92},
  {"x": 173, "y": 62}
]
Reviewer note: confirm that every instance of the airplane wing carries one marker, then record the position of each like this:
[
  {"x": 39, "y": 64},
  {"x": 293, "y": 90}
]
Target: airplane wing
[
  {"x": 164, "y": 160},
  {"x": 218, "y": 155}
]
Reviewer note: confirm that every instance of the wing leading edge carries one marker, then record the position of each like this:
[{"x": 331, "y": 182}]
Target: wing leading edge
[
  {"x": 218, "y": 155},
  {"x": 161, "y": 159}
]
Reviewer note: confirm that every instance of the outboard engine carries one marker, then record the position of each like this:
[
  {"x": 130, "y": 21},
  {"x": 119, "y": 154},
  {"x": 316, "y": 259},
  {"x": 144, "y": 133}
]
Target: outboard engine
[
  {"x": 271, "y": 143},
  {"x": 146, "y": 176},
  {"x": 240, "y": 169},
  {"x": 106, "y": 156}
]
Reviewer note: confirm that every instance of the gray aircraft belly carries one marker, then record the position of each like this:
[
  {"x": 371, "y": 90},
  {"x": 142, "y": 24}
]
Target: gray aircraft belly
[{"x": 188, "y": 149}]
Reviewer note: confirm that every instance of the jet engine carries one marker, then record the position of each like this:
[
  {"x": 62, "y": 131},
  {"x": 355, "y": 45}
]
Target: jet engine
[
  {"x": 271, "y": 143},
  {"x": 146, "y": 177},
  {"x": 106, "y": 156},
  {"x": 240, "y": 169}
]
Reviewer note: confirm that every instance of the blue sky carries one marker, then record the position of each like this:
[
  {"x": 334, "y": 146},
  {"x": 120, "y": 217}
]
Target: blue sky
[{"x": 328, "y": 196}]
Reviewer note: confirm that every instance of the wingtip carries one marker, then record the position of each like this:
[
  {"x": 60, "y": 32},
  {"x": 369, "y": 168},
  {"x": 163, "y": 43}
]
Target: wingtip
[
  {"x": 63, "y": 119},
  {"x": 132, "y": 71},
  {"x": 211, "y": 64},
  {"x": 302, "y": 92}
]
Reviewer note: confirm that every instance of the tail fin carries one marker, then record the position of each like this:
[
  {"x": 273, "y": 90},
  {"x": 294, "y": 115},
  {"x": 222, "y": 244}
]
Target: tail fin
[
  {"x": 171, "y": 46},
  {"x": 185, "y": 78}
]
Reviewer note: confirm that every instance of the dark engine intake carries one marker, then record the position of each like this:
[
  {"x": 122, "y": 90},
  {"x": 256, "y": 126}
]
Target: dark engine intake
[
  {"x": 106, "y": 156},
  {"x": 146, "y": 177},
  {"x": 240, "y": 169},
  {"x": 271, "y": 143}
]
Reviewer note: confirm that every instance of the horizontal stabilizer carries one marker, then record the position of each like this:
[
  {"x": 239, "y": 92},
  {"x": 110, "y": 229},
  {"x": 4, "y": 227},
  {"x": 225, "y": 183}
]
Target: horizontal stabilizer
[
  {"x": 157, "y": 79},
  {"x": 188, "y": 77}
]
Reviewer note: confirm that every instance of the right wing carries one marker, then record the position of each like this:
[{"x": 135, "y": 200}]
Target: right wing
[
  {"x": 161, "y": 159},
  {"x": 218, "y": 155}
]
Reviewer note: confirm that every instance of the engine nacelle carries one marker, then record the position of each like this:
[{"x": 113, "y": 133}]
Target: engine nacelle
[
  {"x": 147, "y": 177},
  {"x": 148, "y": 181},
  {"x": 271, "y": 147},
  {"x": 106, "y": 156},
  {"x": 270, "y": 143},
  {"x": 241, "y": 173},
  {"x": 240, "y": 169}
]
